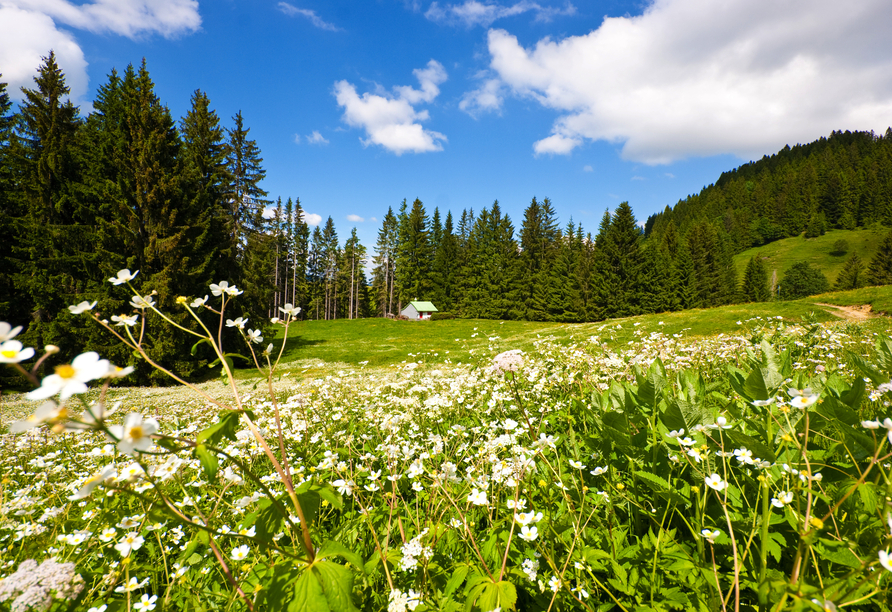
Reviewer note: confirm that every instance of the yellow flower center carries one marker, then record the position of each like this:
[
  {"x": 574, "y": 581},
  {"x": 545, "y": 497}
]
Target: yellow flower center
[
  {"x": 8, "y": 354},
  {"x": 136, "y": 432},
  {"x": 65, "y": 371}
]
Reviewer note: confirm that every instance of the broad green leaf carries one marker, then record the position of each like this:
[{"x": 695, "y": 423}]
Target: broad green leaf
[
  {"x": 208, "y": 461},
  {"x": 336, "y": 549},
  {"x": 458, "y": 576},
  {"x": 227, "y": 426}
]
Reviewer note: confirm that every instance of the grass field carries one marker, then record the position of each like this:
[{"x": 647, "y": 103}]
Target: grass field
[
  {"x": 317, "y": 345},
  {"x": 782, "y": 254}
]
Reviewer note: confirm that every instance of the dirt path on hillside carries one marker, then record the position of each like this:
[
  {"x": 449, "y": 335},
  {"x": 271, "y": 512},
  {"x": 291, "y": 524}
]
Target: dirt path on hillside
[{"x": 852, "y": 313}]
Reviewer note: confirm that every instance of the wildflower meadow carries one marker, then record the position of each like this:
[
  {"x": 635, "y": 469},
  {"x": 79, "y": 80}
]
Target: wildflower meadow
[{"x": 743, "y": 471}]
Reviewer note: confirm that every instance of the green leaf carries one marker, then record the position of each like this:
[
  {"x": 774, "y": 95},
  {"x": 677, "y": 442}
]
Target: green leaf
[
  {"x": 329, "y": 494},
  {"x": 195, "y": 346},
  {"x": 331, "y": 548},
  {"x": 227, "y": 425},
  {"x": 458, "y": 576},
  {"x": 337, "y": 584},
  {"x": 662, "y": 487},
  {"x": 489, "y": 595},
  {"x": 869, "y": 370},
  {"x": 760, "y": 450},
  {"x": 208, "y": 461}
]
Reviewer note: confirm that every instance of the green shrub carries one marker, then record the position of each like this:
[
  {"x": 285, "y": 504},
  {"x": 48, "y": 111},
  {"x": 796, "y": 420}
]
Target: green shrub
[{"x": 442, "y": 316}]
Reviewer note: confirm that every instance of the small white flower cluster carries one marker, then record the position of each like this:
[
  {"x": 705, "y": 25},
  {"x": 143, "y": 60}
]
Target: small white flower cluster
[
  {"x": 413, "y": 550},
  {"x": 400, "y": 602},
  {"x": 34, "y": 587}
]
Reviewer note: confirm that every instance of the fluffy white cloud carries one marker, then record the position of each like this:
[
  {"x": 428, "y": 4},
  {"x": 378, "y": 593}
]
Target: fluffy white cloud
[
  {"x": 392, "y": 120},
  {"x": 488, "y": 97},
  {"x": 355, "y": 219},
  {"x": 696, "y": 77},
  {"x": 587, "y": 168},
  {"x": 316, "y": 138},
  {"x": 311, "y": 219},
  {"x": 474, "y": 13},
  {"x": 30, "y": 28},
  {"x": 315, "y": 19}
]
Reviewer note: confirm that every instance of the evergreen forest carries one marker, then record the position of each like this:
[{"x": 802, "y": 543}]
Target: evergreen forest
[{"x": 180, "y": 200}]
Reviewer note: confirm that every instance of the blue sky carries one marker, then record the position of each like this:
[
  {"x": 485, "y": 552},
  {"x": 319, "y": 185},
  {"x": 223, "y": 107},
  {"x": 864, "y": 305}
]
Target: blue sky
[{"x": 357, "y": 105}]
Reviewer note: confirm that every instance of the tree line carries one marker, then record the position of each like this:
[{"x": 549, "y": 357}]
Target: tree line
[{"x": 127, "y": 186}]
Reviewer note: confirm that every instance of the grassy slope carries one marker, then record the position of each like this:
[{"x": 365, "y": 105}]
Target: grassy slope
[
  {"x": 782, "y": 254},
  {"x": 382, "y": 342}
]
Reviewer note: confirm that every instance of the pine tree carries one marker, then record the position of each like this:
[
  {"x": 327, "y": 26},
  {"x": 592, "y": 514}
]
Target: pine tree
[
  {"x": 353, "y": 264},
  {"x": 852, "y": 275},
  {"x": 755, "y": 282},
  {"x": 566, "y": 305},
  {"x": 385, "y": 265},
  {"x": 14, "y": 305},
  {"x": 413, "y": 256},
  {"x": 56, "y": 249},
  {"x": 879, "y": 272},
  {"x": 250, "y": 237},
  {"x": 625, "y": 261},
  {"x": 330, "y": 265},
  {"x": 316, "y": 275},
  {"x": 444, "y": 269},
  {"x": 538, "y": 243},
  {"x": 205, "y": 178}
]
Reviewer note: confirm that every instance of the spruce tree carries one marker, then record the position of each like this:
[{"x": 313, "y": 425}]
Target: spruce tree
[
  {"x": 538, "y": 243},
  {"x": 14, "y": 305},
  {"x": 443, "y": 269},
  {"x": 250, "y": 236},
  {"x": 385, "y": 265},
  {"x": 413, "y": 256},
  {"x": 625, "y": 261},
  {"x": 852, "y": 275},
  {"x": 755, "y": 281},
  {"x": 353, "y": 266},
  {"x": 59, "y": 263},
  {"x": 879, "y": 272},
  {"x": 205, "y": 179}
]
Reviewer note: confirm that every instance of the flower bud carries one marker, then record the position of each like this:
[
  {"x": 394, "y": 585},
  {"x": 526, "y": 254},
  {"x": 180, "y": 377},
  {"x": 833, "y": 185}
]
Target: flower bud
[{"x": 51, "y": 349}]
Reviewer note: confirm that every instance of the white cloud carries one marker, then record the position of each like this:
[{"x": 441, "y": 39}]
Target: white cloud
[
  {"x": 317, "y": 21},
  {"x": 556, "y": 144},
  {"x": 29, "y": 29},
  {"x": 391, "y": 120},
  {"x": 316, "y": 138},
  {"x": 488, "y": 97},
  {"x": 474, "y": 13},
  {"x": 311, "y": 219},
  {"x": 297, "y": 139},
  {"x": 355, "y": 219},
  {"x": 587, "y": 168},
  {"x": 697, "y": 77}
]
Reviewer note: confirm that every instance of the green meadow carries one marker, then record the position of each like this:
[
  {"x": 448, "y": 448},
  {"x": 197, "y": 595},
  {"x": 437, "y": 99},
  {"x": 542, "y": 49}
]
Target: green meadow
[
  {"x": 384, "y": 342},
  {"x": 819, "y": 252}
]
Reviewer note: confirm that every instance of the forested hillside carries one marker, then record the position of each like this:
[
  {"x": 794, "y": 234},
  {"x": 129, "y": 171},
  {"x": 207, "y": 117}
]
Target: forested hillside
[
  {"x": 844, "y": 182},
  {"x": 127, "y": 186}
]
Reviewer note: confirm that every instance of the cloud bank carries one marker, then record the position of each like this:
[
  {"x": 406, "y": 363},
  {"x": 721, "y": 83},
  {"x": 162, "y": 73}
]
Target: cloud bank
[
  {"x": 697, "y": 78},
  {"x": 392, "y": 121},
  {"x": 30, "y": 28}
]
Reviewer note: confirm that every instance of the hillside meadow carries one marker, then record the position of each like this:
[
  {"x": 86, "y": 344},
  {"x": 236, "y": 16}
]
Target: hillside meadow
[
  {"x": 732, "y": 458},
  {"x": 819, "y": 251}
]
